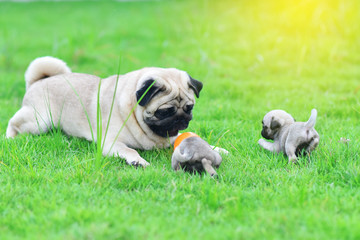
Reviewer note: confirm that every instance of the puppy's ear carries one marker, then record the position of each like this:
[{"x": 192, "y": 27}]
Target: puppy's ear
[
  {"x": 149, "y": 94},
  {"x": 276, "y": 123},
  {"x": 195, "y": 85}
]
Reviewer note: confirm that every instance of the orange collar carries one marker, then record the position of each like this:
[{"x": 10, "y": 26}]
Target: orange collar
[{"x": 183, "y": 136}]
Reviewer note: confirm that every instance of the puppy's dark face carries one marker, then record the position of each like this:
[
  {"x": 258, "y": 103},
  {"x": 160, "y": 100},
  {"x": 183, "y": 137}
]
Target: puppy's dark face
[
  {"x": 268, "y": 131},
  {"x": 168, "y": 102}
]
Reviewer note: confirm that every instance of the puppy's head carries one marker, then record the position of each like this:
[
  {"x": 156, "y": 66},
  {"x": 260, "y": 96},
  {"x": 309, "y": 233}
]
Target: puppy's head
[
  {"x": 166, "y": 99},
  {"x": 274, "y": 121}
]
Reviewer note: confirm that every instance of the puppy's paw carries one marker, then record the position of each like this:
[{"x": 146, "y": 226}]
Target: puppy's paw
[
  {"x": 220, "y": 150},
  {"x": 261, "y": 142},
  {"x": 293, "y": 160},
  {"x": 140, "y": 163},
  {"x": 214, "y": 175}
]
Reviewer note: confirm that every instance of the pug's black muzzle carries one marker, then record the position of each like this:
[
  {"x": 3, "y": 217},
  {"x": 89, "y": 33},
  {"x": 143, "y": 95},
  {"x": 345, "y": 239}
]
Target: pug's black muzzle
[{"x": 171, "y": 126}]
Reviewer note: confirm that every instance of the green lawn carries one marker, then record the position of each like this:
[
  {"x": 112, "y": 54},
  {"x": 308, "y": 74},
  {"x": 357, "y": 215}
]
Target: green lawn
[{"x": 252, "y": 56}]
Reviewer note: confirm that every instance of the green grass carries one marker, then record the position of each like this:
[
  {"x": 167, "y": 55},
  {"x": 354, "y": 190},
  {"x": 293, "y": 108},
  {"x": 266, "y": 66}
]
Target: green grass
[{"x": 252, "y": 56}]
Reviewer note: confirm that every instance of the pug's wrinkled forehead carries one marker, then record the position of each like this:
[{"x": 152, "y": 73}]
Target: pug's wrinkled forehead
[{"x": 167, "y": 86}]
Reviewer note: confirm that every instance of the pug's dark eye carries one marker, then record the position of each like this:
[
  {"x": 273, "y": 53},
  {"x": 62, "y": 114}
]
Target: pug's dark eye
[
  {"x": 188, "y": 108},
  {"x": 165, "y": 112}
]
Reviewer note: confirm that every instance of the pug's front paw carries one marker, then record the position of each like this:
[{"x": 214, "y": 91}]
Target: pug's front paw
[{"x": 140, "y": 162}]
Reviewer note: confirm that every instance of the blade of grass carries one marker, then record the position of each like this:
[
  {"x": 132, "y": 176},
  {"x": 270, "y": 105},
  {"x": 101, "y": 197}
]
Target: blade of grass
[
  {"x": 2, "y": 163},
  {"x": 132, "y": 110},
  {"x": 217, "y": 142},
  {"x": 98, "y": 127},
  {"x": 112, "y": 103}
]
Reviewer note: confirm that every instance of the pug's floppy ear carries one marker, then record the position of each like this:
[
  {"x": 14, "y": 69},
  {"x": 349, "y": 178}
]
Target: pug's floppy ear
[
  {"x": 149, "y": 94},
  {"x": 276, "y": 123},
  {"x": 195, "y": 85}
]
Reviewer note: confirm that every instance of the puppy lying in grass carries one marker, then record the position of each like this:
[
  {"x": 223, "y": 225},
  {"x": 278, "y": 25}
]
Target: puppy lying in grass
[
  {"x": 290, "y": 137},
  {"x": 194, "y": 154}
]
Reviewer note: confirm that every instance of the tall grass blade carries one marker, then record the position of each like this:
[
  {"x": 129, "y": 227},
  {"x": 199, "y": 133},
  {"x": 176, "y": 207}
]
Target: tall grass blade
[
  {"x": 112, "y": 103},
  {"x": 98, "y": 126},
  {"x": 131, "y": 112}
]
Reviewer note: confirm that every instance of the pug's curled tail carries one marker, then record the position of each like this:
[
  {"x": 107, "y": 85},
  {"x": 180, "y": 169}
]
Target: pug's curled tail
[
  {"x": 312, "y": 120},
  {"x": 44, "y": 67}
]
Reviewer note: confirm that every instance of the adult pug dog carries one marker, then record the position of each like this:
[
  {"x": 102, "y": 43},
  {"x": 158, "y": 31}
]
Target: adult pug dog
[{"x": 57, "y": 97}]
